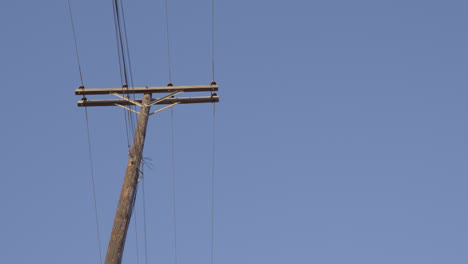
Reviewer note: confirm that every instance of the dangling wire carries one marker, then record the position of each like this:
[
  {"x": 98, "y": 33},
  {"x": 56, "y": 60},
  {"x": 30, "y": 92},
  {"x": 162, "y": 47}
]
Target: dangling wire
[
  {"x": 168, "y": 46},
  {"x": 173, "y": 188},
  {"x": 213, "y": 187}
]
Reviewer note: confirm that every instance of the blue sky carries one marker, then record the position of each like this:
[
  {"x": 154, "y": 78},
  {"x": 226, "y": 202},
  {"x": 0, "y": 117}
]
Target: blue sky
[{"x": 340, "y": 135}]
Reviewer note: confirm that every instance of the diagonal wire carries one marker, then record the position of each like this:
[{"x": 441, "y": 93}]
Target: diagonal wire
[
  {"x": 173, "y": 188},
  {"x": 132, "y": 116},
  {"x": 121, "y": 67},
  {"x": 94, "y": 188},
  {"x": 76, "y": 43},
  {"x": 117, "y": 43},
  {"x": 120, "y": 39},
  {"x": 87, "y": 132}
]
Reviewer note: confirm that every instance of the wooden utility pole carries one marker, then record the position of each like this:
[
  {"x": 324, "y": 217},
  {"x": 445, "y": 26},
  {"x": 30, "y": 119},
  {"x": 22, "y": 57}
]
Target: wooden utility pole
[{"x": 128, "y": 193}]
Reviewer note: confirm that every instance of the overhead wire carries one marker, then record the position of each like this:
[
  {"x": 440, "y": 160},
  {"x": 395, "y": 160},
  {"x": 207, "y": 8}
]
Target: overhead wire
[
  {"x": 132, "y": 115},
  {"x": 125, "y": 66},
  {"x": 88, "y": 134},
  {"x": 172, "y": 136},
  {"x": 117, "y": 43},
  {"x": 214, "y": 115},
  {"x": 121, "y": 67},
  {"x": 120, "y": 40},
  {"x": 125, "y": 69},
  {"x": 76, "y": 43},
  {"x": 93, "y": 184},
  {"x": 124, "y": 59}
]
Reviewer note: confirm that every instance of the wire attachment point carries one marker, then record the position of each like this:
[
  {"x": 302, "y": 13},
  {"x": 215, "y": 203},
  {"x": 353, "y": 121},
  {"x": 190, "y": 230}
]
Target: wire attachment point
[{"x": 84, "y": 96}]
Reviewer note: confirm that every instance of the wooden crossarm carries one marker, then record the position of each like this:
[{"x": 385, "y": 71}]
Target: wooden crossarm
[
  {"x": 179, "y": 100},
  {"x": 142, "y": 90}
]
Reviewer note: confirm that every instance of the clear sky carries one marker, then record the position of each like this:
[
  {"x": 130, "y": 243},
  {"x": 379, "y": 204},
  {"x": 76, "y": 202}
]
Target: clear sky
[{"x": 341, "y": 135}]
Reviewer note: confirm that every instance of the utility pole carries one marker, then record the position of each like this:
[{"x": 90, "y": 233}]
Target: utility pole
[{"x": 128, "y": 193}]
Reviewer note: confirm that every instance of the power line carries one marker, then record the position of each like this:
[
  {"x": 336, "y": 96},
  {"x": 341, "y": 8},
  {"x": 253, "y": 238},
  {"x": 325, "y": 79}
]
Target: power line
[
  {"x": 120, "y": 39},
  {"x": 87, "y": 132},
  {"x": 214, "y": 114},
  {"x": 125, "y": 66},
  {"x": 121, "y": 67},
  {"x": 94, "y": 188},
  {"x": 132, "y": 116},
  {"x": 76, "y": 43}
]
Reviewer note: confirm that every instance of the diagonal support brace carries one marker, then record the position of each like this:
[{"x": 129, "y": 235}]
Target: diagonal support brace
[
  {"x": 127, "y": 99},
  {"x": 129, "y": 109},
  {"x": 164, "y": 108},
  {"x": 155, "y": 101}
]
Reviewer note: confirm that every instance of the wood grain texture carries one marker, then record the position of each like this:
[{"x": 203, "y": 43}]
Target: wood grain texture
[{"x": 127, "y": 195}]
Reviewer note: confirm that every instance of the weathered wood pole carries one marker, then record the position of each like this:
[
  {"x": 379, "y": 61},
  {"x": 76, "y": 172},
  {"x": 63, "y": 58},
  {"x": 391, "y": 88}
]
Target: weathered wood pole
[{"x": 125, "y": 207}]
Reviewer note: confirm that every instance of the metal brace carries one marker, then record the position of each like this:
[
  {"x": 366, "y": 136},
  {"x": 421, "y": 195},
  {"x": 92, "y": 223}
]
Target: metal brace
[
  {"x": 164, "y": 108},
  {"x": 128, "y": 99},
  {"x": 129, "y": 109},
  {"x": 155, "y": 101}
]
